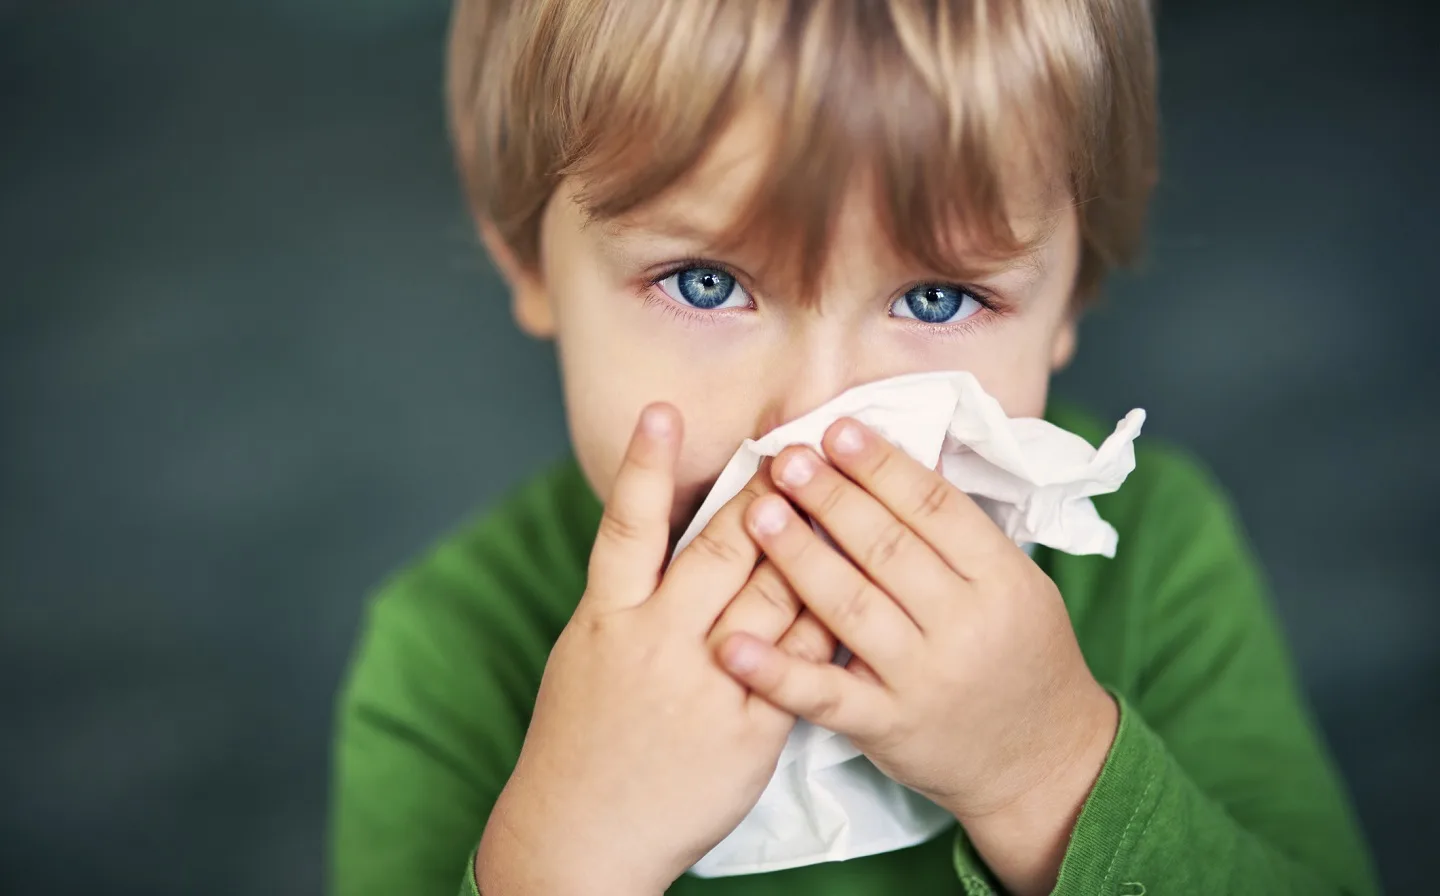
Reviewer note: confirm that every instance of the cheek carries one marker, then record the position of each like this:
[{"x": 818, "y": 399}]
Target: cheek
[
  {"x": 1012, "y": 366},
  {"x": 1015, "y": 371},
  {"x": 603, "y": 372},
  {"x": 1014, "y": 362},
  {"x": 616, "y": 357},
  {"x": 1021, "y": 392},
  {"x": 607, "y": 383},
  {"x": 600, "y": 437},
  {"x": 599, "y": 445}
]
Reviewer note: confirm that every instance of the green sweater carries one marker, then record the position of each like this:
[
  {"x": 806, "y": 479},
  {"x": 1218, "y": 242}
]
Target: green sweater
[{"x": 1216, "y": 784}]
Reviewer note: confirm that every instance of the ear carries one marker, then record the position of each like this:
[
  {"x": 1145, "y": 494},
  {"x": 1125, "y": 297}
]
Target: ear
[
  {"x": 529, "y": 301},
  {"x": 1062, "y": 344}
]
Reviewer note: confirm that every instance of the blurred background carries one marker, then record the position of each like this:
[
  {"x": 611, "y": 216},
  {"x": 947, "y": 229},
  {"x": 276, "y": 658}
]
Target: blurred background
[{"x": 251, "y": 360}]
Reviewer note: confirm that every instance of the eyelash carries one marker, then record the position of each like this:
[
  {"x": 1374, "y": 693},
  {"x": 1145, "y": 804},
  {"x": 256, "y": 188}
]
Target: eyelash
[
  {"x": 992, "y": 307},
  {"x": 652, "y": 294}
]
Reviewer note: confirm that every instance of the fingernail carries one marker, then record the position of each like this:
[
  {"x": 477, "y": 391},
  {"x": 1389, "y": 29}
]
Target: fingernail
[
  {"x": 769, "y": 517},
  {"x": 850, "y": 439},
  {"x": 797, "y": 470},
  {"x": 742, "y": 657},
  {"x": 656, "y": 422}
]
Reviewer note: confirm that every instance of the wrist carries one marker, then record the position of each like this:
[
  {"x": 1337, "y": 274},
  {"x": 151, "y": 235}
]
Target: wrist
[
  {"x": 525, "y": 852},
  {"x": 1023, "y": 841},
  {"x": 1066, "y": 772}
]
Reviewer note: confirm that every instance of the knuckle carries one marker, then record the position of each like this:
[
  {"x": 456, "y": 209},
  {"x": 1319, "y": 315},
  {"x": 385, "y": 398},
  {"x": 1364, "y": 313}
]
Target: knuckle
[
  {"x": 887, "y": 545},
  {"x": 717, "y": 549},
  {"x": 772, "y": 590},
  {"x": 727, "y": 518},
  {"x": 793, "y": 551},
  {"x": 881, "y": 464},
  {"x": 616, "y": 526},
  {"x": 862, "y": 670},
  {"x": 757, "y": 486},
  {"x": 853, "y": 611},
  {"x": 597, "y": 626},
  {"x": 825, "y": 706},
  {"x": 935, "y": 498},
  {"x": 810, "y": 644},
  {"x": 828, "y": 502}
]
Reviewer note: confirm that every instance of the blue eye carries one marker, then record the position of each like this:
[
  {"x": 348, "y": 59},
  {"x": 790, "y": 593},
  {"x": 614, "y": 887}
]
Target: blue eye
[
  {"x": 704, "y": 288},
  {"x": 936, "y": 303}
]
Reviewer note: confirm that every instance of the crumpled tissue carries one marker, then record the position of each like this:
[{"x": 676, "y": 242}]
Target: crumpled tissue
[{"x": 826, "y": 801}]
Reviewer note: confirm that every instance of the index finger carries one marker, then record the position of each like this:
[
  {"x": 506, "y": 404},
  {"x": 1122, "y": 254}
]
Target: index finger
[
  {"x": 708, "y": 573},
  {"x": 766, "y": 607},
  {"x": 943, "y": 516}
]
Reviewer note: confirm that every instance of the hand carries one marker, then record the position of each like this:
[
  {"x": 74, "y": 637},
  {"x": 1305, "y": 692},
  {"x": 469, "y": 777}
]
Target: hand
[
  {"x": 967, "y": 684},
  {"x": 642, "y": 753}
]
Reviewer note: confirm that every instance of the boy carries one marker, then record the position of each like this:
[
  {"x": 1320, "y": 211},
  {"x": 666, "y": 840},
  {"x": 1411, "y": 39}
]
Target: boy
[{"x": 726, "y": 212}]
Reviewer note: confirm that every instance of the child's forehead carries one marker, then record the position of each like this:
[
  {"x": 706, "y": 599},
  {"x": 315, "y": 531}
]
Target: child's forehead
[
  {"x": 715, "y": 204},
  {"x": 714, "y": 193}
]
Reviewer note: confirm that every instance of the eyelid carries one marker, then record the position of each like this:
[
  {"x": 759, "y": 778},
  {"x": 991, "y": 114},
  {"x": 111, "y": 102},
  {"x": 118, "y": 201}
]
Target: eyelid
[
  {"x": 988, "y": 300},
  {"x": 672, "y": 268}
]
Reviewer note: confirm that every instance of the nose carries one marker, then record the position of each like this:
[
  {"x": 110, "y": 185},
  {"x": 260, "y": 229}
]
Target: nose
[{"x": 804, "y": 373}]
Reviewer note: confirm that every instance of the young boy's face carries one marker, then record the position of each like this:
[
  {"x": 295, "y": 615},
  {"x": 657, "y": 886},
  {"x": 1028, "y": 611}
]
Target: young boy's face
[{"x": 639, "y": 317}]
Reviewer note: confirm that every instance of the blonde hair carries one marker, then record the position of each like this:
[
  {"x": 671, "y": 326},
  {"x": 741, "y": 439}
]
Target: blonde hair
[{"x": 944, "y": 103}]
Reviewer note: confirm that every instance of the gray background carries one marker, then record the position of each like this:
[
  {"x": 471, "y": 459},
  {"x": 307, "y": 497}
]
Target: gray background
[{"x": 250, "y": 361}]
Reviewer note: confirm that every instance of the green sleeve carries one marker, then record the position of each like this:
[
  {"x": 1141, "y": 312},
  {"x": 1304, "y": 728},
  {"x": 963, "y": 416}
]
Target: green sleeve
[
  {"x": 416, "y": 771},
  {"x": 470, "y": 887},
  {"x": 439, "y": 695},
  {"x": 1217, "y": 781}
]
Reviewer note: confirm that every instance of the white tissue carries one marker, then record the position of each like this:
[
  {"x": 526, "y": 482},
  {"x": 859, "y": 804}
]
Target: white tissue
[{"x": 826, "y": 802}]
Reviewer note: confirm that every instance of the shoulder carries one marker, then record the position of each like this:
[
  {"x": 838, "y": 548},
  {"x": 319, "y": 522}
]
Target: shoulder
[
  {"x": 493, "y": 595},
  {"x": 532, "y": 543}
]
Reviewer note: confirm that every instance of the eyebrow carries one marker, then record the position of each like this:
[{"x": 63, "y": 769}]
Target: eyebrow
[
  {"x": 1032, "y": 264},
  {"x": 651, "y": 224}
]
